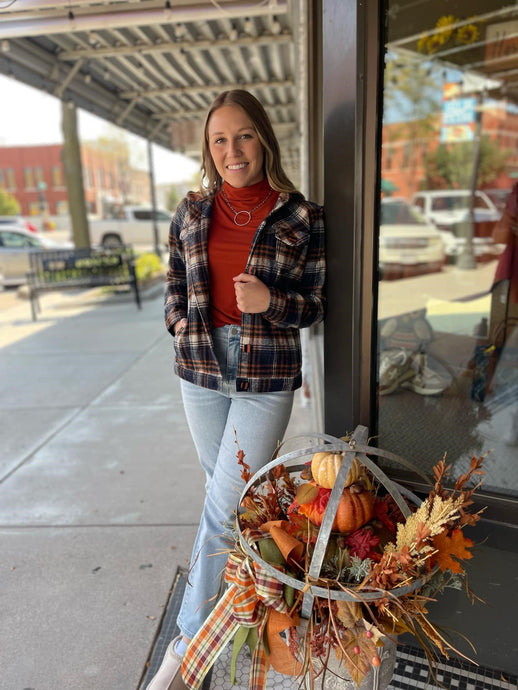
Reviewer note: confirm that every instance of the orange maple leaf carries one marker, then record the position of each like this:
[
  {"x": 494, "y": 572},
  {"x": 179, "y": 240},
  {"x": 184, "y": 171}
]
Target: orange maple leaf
[{"x": 447, "y": 546}]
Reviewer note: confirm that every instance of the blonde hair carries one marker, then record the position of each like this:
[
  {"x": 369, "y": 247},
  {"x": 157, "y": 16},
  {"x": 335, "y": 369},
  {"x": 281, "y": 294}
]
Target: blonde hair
[{"x": 273, "y": 170}]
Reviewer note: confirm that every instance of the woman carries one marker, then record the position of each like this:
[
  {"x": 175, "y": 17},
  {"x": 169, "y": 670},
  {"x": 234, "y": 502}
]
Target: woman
[
  {"x": 504, "y": 313},
  {"x": 246, "y": 272}
]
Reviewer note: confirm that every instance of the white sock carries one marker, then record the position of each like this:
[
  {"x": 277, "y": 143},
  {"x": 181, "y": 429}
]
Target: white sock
[{"x": 180, "y": 647}]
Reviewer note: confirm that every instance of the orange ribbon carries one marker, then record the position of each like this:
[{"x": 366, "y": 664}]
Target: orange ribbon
[{"x": 254, "y": 599}]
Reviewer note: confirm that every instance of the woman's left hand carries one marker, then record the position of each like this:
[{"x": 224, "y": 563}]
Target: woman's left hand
[{"x": 252, "y": 295}]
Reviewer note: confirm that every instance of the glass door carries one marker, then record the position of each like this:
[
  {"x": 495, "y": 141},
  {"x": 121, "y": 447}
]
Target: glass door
[{"x": 447, "y": 316}]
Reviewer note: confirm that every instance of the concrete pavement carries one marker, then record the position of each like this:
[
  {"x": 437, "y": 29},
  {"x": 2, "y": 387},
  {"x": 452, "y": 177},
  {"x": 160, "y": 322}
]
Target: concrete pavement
[{"x": 100, "y": 490}]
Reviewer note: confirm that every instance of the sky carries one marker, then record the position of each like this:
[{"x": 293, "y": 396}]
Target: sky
[{"x": 29, "y": 116}]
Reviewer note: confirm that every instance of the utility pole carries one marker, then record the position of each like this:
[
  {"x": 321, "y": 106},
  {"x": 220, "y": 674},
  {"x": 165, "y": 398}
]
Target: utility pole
[
  {"x": 467, "y": 258},
  {"x": 156, "y": 237}
]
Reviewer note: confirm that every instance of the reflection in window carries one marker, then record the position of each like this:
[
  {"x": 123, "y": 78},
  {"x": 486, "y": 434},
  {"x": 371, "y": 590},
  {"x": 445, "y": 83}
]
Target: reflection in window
[{"x": 448, "y": 290}]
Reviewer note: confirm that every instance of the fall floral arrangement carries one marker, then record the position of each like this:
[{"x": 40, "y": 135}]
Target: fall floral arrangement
[{"x": 384, "y": 560}]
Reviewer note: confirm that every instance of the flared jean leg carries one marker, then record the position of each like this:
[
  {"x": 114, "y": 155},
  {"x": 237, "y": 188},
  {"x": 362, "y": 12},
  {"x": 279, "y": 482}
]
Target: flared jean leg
[{"x": 258, "y": 422}]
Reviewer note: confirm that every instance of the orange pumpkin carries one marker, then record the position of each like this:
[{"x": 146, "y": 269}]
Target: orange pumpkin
[{"x": 355, "y": 509}]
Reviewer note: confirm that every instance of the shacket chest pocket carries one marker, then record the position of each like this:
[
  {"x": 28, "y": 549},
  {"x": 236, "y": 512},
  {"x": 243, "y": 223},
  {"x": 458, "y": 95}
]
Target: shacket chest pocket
[{"x": 291, "y": 246}]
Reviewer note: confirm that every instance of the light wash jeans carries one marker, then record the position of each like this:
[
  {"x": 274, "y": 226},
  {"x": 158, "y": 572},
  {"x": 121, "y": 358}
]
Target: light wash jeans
[{"x": 259, "y": 421}]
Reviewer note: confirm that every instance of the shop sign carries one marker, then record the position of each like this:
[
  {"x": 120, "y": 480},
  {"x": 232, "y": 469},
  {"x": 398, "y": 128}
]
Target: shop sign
[{"x": 458, "y": 115}]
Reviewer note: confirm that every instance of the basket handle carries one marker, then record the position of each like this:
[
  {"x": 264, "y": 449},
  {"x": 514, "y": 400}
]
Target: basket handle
[
  {"x": 357, "y": 447},
  {"x": 360, "y": 435}
]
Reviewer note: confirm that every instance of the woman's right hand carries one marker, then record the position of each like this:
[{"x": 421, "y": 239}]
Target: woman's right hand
[{"x": 180, "y": 326}]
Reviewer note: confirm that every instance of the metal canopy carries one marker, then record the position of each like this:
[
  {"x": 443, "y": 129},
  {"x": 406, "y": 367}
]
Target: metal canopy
[
  {"x": 487, "y": 48},
  {"x": 154, "y": 66}
]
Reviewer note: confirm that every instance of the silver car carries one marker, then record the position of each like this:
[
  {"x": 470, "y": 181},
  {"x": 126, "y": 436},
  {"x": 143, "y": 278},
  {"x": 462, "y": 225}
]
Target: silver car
[
  {"x": 15, "y": 247},
  {"x": 408, "y": 244}
]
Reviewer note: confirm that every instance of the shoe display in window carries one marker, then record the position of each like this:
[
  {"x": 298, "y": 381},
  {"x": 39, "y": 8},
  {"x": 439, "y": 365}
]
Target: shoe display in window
[
  {"x": 425, "y": 381},
  {"x": 395, "y": 368}
]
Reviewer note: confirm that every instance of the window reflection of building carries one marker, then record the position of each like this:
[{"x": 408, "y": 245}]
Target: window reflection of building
[{"x": 446, "y": 69}]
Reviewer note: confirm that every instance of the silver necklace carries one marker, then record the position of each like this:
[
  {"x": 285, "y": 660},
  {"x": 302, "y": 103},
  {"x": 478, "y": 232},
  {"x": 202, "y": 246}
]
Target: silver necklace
[{"x": 248, "y": 214}]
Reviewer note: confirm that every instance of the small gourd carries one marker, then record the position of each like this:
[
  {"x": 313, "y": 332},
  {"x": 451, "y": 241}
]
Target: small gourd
[{"x": 324, "y": 468}]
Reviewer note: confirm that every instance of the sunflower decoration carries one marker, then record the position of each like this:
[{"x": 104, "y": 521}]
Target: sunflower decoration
[
  {"x": 445, "y": 25},
  {"x": 467, "y": 34},
  {"x": 447, "y": 32}
]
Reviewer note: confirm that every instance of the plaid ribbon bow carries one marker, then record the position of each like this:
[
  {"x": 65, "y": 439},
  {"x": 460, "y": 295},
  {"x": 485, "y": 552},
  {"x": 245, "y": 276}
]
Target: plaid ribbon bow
[{"x": 250, "y": 599}]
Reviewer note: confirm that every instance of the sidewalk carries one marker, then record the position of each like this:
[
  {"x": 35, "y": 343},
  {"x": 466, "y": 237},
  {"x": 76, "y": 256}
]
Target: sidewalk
[{"x": 100, "y": 490}]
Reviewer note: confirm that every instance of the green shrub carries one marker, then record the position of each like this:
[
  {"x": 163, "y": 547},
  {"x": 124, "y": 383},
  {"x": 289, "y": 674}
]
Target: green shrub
[
  {"x": 147, "y": 265},
  {"x": 9, "y": 206}
]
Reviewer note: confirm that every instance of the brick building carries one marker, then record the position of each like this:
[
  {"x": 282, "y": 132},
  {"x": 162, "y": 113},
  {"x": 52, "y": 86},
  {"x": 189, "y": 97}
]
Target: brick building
[
  {"x": 34, "y": 175},
  {"x": 404, "y": 149}
]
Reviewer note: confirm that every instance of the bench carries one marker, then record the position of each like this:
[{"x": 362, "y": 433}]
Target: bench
[{"x": 63, "y": 269}]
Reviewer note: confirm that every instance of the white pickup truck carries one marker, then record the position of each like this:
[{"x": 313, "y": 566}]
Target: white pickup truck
[{"x": 134, "y": 228}]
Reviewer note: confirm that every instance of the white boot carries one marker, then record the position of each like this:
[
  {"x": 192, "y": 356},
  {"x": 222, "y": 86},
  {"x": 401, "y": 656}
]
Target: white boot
[{"x": 169, "y": 675}]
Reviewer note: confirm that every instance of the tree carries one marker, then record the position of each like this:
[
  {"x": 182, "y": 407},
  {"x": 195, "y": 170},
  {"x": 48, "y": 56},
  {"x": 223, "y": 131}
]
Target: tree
[
  {"x": 412, "y": 101},
  {"x": 412, "y": 94},
  {"x": 450, "y": 165},
  {"x": 8, "y": 204}
]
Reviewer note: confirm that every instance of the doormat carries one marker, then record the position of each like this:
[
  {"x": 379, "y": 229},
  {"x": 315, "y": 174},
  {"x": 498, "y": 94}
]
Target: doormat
[{"x": 411, "y": 671}]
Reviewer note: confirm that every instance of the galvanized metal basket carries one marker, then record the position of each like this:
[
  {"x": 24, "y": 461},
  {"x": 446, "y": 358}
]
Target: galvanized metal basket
[
  {"x": 294, "y": 462},
  {"x": 378, "y": 678}
]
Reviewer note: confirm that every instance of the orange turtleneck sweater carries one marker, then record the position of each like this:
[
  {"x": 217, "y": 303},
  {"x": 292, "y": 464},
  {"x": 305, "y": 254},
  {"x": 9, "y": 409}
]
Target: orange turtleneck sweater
[{"x": 229, "y": 244}]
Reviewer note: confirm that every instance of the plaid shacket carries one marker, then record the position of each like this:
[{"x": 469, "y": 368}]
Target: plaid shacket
[{"x": 287, "y": 254}]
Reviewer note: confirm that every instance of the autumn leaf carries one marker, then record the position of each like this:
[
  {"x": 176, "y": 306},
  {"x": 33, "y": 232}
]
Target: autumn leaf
[
  {"x": 348, "y": 612},
  {"x": 306, "y": 493},
  {"x": 246, "y": 475},
  {"x": 356, "y": 653},
  {"x": 457, "y": 545}
]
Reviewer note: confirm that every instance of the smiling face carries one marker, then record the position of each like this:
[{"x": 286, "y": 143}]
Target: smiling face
[{"x": 235, "y": 147}]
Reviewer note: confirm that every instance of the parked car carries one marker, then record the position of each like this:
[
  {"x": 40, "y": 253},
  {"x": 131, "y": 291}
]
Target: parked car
[
  {"x": 15, "y": 247},
  {"x": 498, "y": 197},
  {"x": 135, "y": 227},
  {"x": 448, "y": 210},
  {"x": 408, "y": 243},
  {"x": 19, "y": 222}
]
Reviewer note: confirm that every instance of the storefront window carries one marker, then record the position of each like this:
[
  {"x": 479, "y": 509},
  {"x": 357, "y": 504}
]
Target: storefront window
[
  {"x": 448, "y": 265},
  {"x": 57, "y": 178},
  {"x": 10, "y": 179}
]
